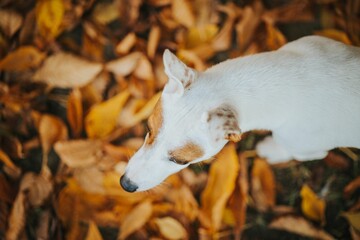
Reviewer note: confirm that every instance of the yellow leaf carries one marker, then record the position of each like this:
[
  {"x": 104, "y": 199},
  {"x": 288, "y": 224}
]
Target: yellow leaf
[
  {"x": 199, "y": 35},
  {"x": 49, "y": 15},
  {"x": 105, "y": 13},
  {"x": 275, "y": 39},
  {"x": 22, "y": 59},
  {"x": 263, "y": 185},
  {"x": 221, "y": 183},
  {"x": 74, "y": 112},
  {"x": 353, "y": 218},
  {"x": 334, "y": 34},
  {"x": 170, "y": 228},
  {"x": 132, "y": 116},
  {"x": 93, "y": 232},
  {"x": 101, "y": 120},
  {"x": 136, "y": 219},
  {"x": 312, "y": 206}
]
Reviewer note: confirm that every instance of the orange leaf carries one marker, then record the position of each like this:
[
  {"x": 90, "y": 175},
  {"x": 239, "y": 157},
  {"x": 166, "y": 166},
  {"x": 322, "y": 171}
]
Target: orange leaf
[
  {"x": 263, "y": 185},
  {"x": 93, "y": 232},
  {"x": 182, "y": 13},
  {"x": 74, "y": 112},
  {"x": 334, "y": 34},
  {"x": 170, "y": 228},
  {"x": 221, "y": 184},
  {"x": 24, "y": 58},
  {"x": 124, "y": 46},
  {"x": 154, "y": 38}
]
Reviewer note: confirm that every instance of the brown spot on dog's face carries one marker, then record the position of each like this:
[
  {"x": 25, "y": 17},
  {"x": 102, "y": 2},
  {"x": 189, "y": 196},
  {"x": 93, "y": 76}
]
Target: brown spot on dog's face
[
  {"x": 155, "y": 122},
  {"x": 186, "y": 153}
]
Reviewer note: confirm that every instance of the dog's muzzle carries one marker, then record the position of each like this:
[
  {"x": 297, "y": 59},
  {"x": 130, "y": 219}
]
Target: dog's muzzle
[{"x": 127, "y": 184}]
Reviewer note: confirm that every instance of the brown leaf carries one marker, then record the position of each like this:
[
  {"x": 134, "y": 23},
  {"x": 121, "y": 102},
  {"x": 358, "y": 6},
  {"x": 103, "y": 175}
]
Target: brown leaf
[
  {"x": 101, "y": 120},
  {"x": 221, "y": 184},
  {"x": 65, "y": 70},
  {"x": 49, "y": 15},
  {"x": 136, "y": 219},
  {"x": 144, "y": 69},
  {"x": 125, "y": 45},
  {"x": 299, "y": 226},
  {"x": 42, "y": 230},
  {"x": 74, "y": 112},
  {"x": 352, "y": 187},
  {"x": 154, "y": 38},
  {"x": 24, "y": 58},
  {"x": 7, "y": 161},
  {"x": 353, "y": 218},
  {"x": 93, "y": 232},
  {"x": 275, "y": 39},
  {"x": 170, "y": 228},
  {"x": 124, "y": 66},
  {"x": 182, "y": 13},
  {"x": 263, "y": 185},
  {"x": 79, "y": 153},
  {"x": 184, "y": 202},
  {"x": 90, "y": 179},
  {"x": 38, "y": 188},
  {"x": 337, "y": 161},
  {"x": 17, "y": 218},
  {"x": 10, "y": 22}
]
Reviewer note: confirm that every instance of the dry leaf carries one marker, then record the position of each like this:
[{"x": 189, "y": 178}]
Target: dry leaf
[
  {"x": 184, "y": 202},
  {"x": 136, "y": 219},
  {"x": 10, "y": 22},
  {"x": 131, "y": 115},
  {"x": 197, "y": 36},
  {"x": 93, "y": 232},
  {"x": 263, "y": 185},
  {"x": 17, "y": 218},
  {"x": 74, "y": 112},
  {"x": 311, "y": 205},
  {"x": 42, "y": 230},
  {"x": 105, "y": 13},
  {"x": 101, "y": 120},
  {"x": 144, "y": 69},
  {"x": 170, "y": 228},
  {"x": 65, "y": 70},
  {"x": 353, "y": 218},
  {"x": 7, "y": 161},
  {"x": 90, "y": 179},
  {"x": 49, "y": 15},
  {"x": 275, "y": 39},
  {"x": 79, "y": 153},
  {"x": 299, "y": 226},
  {"x": 125, "y": 45},
  {"x": 335, "y": 34},
  {"x": 182, "y": 13},
  {"x": 51, "y": 130},
  {"x": 352, "y": 187},
  {"x": 221, "y": 184},
  {"x": 154, "y": 38},
  {"x": 24, "y": 58},
  {"x": 38, "y": 188},
  {"x": 124, "y": 66}
]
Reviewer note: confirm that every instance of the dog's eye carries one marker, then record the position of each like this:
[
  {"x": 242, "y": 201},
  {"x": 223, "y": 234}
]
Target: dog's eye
[{"x": 177, "y": 161}]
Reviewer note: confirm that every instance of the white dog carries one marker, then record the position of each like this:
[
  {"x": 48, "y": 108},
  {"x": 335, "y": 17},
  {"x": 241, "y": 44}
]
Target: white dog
[{"x": 307, "y": 93}]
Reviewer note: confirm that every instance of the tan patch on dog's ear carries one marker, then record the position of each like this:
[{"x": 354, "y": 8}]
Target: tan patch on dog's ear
[
  {"x": 155, "y": 122},
  {"x": 186, "y": 153}
]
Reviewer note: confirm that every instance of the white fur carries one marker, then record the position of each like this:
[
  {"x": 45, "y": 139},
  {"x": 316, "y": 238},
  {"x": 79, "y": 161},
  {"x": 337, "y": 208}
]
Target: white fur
[{"x": 307, "y": 93}]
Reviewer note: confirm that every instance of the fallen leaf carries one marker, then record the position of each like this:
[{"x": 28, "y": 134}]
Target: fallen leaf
[
  {"x": 182, "y": 13},
  {"x": 38, "y": 188},
  {"x": 24, "y": 58},
  {"x": 79, "y": 153},
  {"x": 93, "y": 232},
  {"x": 184, "y": 201},
  {"x": 125, "y": 45},
  {"x": 42, "y": 230},
  {"x": 335, "y": 34},
  {"x": 299, "y": 226},
  {"x": 17, "y": 218},
  {"x": 10, "y": 22},
  {"x": 170, "y": 228},
  {"x": 197, "y": 36},
  {"x": 90, "y": 179},
  {"x": 312, "y": 206},
  {"x": 65, "y": 70},
  {"x": 263, "y": 185},
  {"x": 144, "y": 69},
  {"x": 337, "y": 161},
  {"x": 154, "y": 38},
  {"x": 74, "y": 112},
  {"x": 221, "y": 184},
  {"x": 353, "y": 218},
  {"x": 136, "y": 219},
  {"x": 49, "y": 15},
  {"x": 105, "y": 13},
  {"x": 7, "y": 161},
  {"x": 101, "y": 119},
  {"x": 275, "y": 39},
  {"x": 131, "y": 115},
  {"x": 124, "y": 66},
  {"x": 352, "y": 187}
]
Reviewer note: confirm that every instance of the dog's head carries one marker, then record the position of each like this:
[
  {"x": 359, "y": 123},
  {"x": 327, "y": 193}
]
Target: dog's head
[{"x": 181, "y": 131}]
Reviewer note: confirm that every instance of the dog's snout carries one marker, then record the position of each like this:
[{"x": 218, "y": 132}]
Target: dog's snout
[{"x": 127, "y": 184}]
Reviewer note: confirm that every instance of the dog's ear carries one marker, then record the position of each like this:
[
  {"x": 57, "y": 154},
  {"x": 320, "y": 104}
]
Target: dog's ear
[
  {"x": 180, "y": 76},
  {"x": 223, "y": 124}
]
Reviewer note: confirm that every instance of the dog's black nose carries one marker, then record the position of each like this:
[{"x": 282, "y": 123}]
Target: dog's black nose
[{"x": 127, "y": 184}]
